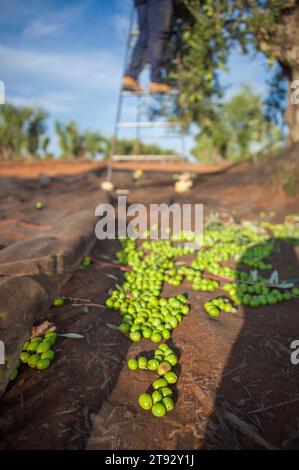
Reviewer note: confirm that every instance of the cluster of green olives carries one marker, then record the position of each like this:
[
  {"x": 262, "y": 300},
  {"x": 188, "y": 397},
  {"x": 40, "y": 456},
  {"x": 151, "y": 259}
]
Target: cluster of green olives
[
  {"x": 161, "y": 399},
  {"x": 157, "y": 362},
  {"x": 220, "y": 304},
  {"x": 147, "y": 316},
  {"x": 234, "y": 242},
  {"x": 36, "y": 353},
  {"x": 257, "y": 294}
]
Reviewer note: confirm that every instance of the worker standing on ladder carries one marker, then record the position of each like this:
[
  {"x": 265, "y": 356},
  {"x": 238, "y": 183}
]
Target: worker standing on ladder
[{"x": 154, "y": 23}]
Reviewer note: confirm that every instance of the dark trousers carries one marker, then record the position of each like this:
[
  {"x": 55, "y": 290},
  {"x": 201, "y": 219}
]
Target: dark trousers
[{"x": 154, "y": 22}]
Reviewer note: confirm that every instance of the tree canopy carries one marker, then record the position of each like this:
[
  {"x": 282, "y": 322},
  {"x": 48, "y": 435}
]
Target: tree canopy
[
  {"x": 75, "y": 143},
  {"x": 22, "y": 131},
  {"x": 239, "y": 131},
  {"x": 209, "y": 33}
]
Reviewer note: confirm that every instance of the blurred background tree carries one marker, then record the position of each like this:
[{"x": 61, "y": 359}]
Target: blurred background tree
[
  {"x": 75, "y": 144},
  {"x": 239, "y": 131},
  {"x": 22, "y": 132}
]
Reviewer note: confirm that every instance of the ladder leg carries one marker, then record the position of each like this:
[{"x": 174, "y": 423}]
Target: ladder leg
[
  {"x": 120, "y": 99},
  {"x": 180, "y": 88},
  {"x": 183, "y": 143},
  {"x": 138, "y": 128}
]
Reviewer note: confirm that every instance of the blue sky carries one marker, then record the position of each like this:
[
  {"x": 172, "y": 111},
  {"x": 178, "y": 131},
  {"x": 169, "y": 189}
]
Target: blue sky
[{"x": 66, "y": 56}]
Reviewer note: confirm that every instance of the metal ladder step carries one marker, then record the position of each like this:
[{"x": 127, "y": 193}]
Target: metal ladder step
[
  {"x": 127, "y": 93},
  {"x": 122, "y": 158}
]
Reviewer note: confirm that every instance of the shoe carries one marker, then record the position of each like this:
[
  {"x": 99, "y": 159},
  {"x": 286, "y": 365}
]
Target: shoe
[
  {"x": 156, "y": 87},
  {"x": 130, "y": 84}
]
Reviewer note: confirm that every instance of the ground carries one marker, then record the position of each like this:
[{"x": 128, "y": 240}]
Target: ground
[{"x": 237, "y": 387}]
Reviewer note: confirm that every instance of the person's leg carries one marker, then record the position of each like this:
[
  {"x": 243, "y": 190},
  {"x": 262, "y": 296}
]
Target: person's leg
[
  {"x": 138, "y": 58},
  {"x": 159, "y": 29}
]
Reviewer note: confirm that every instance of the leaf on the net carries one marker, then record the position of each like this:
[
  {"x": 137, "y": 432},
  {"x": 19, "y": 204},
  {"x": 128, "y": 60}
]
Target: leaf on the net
[
  {"x": 112, "y": 277},
  {"x": 113, "y": 327},
  {"x": 71, "y": 335},
  {"x": 254, "y": 275},
  {"x": 285, "y": 285},
  {"x": 274, "y": 278}
]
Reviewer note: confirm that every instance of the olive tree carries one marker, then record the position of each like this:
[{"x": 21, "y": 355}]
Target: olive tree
[{"x": 213, "y": 28}]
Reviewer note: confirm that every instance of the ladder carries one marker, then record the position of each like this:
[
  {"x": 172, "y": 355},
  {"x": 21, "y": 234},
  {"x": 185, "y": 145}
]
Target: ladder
[{"x": 142, "y": 98}]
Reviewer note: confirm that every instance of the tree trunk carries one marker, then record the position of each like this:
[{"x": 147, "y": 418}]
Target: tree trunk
[
  {"x": 292, "y": 110},
  {"x": 282, "y": 41}
]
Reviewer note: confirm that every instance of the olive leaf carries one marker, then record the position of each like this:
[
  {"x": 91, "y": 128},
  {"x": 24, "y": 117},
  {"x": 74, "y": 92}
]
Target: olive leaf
[
  {"x": 274, "y": 278},
  {"x": 112, "y": 277},
  {"x": 254, "y": 275},
  {"x": 71, "y": 335},
  {"x": 106, "y": 257},
  {"x": 112, "y": 326},
  {"x": 285, "y": 285}
]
